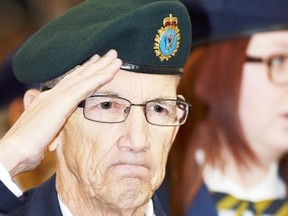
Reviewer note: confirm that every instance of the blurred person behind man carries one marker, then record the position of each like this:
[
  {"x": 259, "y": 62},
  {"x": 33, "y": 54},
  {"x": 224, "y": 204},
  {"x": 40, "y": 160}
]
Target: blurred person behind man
[{"x": 231, "y": 157}]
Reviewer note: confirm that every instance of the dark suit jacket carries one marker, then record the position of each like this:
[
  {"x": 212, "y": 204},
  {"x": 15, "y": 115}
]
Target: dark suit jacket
[
  {"x": 8, "y": 200},
  {"x": 202, "y": 205},
  {"x": 42, "y": 201}
]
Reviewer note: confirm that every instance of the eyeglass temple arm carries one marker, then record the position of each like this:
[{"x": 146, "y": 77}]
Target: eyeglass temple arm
[{"x": 253, "y": 59}]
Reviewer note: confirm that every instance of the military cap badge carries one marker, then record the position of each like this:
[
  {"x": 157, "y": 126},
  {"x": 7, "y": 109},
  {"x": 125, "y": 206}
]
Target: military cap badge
[{"x": 167, "y": 40}]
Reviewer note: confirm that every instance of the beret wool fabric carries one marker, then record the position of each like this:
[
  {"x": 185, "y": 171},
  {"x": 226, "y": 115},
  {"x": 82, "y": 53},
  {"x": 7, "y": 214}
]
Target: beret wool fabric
[
  {"x": 215, "y": 20},
  {"x": 96, "y": 26}
]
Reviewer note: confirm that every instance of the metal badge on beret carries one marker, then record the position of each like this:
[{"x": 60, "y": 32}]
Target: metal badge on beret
[{"x": 167, "y": 40}]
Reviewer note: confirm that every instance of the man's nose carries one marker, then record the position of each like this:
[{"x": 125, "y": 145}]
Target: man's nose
[{"x": 137, "y": 130}]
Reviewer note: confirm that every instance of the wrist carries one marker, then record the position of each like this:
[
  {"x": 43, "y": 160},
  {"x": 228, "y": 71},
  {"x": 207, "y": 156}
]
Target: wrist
[{"x": 9, "y": 157}]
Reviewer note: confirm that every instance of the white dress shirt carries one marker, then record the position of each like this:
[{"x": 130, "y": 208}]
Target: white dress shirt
[
  {"x": 66, "y": 212},
  {"x": 272, "y": 185}
]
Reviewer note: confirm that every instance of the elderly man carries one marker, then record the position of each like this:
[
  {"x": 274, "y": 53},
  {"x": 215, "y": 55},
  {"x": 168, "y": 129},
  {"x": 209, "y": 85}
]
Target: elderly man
[{"x": 111, "y": 122}]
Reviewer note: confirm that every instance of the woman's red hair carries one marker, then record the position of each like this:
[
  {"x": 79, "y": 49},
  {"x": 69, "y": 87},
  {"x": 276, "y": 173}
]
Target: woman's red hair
[{"x": 211, "y": 83}]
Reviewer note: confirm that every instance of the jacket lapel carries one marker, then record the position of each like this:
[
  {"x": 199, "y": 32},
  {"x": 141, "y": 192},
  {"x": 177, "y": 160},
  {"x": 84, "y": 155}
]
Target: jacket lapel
[{"x": 44, "y": 200}]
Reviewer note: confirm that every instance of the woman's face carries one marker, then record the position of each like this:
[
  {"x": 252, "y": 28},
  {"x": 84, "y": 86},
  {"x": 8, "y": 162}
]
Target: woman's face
[{"x": 263, "y": 105}]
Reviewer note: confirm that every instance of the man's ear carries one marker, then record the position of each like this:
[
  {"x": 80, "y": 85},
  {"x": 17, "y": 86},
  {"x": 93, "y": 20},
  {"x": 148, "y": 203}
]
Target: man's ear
[
  {"x": 177, "y": 128},
  {"x": 29, "y": 96},
  {"x": 180, "y": 96}
]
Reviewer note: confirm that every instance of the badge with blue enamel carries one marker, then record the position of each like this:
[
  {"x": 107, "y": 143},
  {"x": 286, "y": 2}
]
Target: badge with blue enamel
[{"x": 167, "y": 40}]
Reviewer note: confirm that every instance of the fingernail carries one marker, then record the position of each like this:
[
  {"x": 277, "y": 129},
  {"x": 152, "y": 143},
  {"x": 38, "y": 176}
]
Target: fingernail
[
  {"x": 110, "y": 52},
  {"x": 94, "y": 57}
]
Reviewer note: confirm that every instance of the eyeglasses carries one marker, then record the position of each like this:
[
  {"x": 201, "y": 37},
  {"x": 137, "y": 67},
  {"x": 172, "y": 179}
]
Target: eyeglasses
[
  {"x": 110, "y": 109},
  {"x": 277, "y": 67}
]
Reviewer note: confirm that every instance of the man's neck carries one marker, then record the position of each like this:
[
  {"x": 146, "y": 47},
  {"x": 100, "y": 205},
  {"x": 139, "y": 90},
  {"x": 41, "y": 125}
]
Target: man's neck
[{"x": 79, "y": 203}]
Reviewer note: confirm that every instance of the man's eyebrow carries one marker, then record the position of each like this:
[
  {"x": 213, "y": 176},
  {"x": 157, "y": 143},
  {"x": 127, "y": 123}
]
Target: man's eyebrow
[
  {"x": 163, "y": 98},
  {"x": 115, "y": 94},
  {"x": 106, "y": 93}
]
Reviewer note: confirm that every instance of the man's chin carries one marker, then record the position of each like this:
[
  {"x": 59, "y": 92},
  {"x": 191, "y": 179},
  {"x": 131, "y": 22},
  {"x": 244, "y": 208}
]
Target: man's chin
[{"x": 132, "y": 192}]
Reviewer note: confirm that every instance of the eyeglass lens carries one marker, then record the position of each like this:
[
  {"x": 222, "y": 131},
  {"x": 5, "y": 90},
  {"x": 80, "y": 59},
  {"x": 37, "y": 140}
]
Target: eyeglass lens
[{"x": 278, "y": 66}]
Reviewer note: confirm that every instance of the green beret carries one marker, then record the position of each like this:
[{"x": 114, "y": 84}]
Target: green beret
[{"x": 150, "y": 36}]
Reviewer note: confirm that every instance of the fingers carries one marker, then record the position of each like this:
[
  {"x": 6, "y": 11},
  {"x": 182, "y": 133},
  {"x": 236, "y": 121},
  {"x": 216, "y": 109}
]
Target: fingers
[
  {"x": 47, "y": 112},
  {"x": 86, "y": 80},
  {"x": 96, "y": 61},
  {"x": 94, "y": 58},
  {"x": 106, "y": 60},
  {"x": 90, "y": 76}
]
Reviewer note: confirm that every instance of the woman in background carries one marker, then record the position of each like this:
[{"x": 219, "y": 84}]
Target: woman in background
[{"x": 231, "y": 156}]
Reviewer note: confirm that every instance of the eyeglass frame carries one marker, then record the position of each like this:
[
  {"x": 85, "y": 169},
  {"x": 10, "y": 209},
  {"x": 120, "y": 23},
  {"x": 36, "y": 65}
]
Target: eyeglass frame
[
  {"x": 268, "y": 62},
  {"x": 82, "y": 105}
]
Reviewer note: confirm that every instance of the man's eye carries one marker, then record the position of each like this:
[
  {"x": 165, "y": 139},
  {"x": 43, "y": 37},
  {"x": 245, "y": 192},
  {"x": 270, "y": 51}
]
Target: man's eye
[
  {"x": 158, "y": 108},
  {"x": 106, "y": 105}
]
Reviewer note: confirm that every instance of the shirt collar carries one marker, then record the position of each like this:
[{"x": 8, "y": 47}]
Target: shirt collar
[
  {"x": 66, "y": 212},
  {"x": 272, "y": 185}
]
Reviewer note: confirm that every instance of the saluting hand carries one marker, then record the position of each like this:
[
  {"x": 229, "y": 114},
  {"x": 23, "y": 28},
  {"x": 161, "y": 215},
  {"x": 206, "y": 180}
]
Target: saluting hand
[{"x": 23, "y": 146}]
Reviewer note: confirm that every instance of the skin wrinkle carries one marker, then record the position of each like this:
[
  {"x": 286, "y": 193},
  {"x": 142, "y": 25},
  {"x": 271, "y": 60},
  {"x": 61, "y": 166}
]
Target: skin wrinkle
[
  {"x": 103, "y": 187},
  {"x": 80, "y": 170},
  {"x": 80, "y": 190}
]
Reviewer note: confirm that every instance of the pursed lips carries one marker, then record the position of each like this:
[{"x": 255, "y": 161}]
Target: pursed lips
[{"x": 131, "y": 168}]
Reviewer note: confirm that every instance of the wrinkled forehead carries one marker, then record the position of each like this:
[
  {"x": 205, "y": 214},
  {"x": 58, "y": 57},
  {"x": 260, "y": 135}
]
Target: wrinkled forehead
[{"x": 141, "y": 86}]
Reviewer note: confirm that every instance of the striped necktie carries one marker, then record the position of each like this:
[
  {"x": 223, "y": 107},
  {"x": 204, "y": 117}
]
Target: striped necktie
[{"x": 236, "y": 207}]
